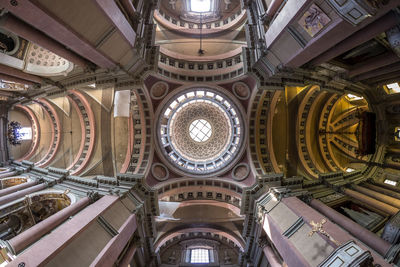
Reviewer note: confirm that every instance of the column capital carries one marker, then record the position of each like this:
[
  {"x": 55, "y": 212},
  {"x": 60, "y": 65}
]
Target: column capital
[
  {"x": 10, "y": 252},
  {"x": 262, "y": 242},
  {"x": 93, "y": 196},
  {"x": 393, "y": 254}
]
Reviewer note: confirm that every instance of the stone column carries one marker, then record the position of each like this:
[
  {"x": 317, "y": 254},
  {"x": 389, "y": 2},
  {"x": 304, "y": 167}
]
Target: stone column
[
  {"x": 48, "y": 247},
  {"x": 364, "y": 235},
  {"x": 273, "y": 8},
  {"x": 16, "y": 79},
  {"x": 9, "y": 226},
  {"x": 19, "y": 74},
  {"x": 129, "y": 8},
  {"x": 26, "y": 238},
  {"x": 16, "y": 188},
  {"x": 370, "y": 201},
  {"x": 386, "y": 199},
  {"x": 271, "y": 257},
  {"x": 387, "y": 186},
  {"x": 382, "y": 190},
  {"x": 16, "y": 195},
  {"x": 8, "y": 174}
]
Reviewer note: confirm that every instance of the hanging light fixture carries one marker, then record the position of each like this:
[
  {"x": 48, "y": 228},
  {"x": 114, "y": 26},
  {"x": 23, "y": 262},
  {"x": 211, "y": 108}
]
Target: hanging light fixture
[{"x": 201, "y": 50}]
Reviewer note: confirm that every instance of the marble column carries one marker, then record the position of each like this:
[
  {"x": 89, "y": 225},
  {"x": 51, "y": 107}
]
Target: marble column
[
  {"x": 387, "y": 186},
  {"x": 386, "y": 199},
  {"x": 10, "y": 78},
  {"x": 16, "y": 188},
  {"x": 273, "y": 8},
  {"x": 129, "y": 8},
  {"x": 50, "y": 245},
  {"x": 371, "y": 201},
  {"x": 11, "y": 223},
  {"x": 271, "y": 257},
  {"x": 364, "y": 235},
  {"x": 19, "y": 74},
  {"x": 26, "y": 238},
  {"x": 16, "y": 195},
  {"x": 382, "y": 190},
  {"x": 8, "y": 174}
]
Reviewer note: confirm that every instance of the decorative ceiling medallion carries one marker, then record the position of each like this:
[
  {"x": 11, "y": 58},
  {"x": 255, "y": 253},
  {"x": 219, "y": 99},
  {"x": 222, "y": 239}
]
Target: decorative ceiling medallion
[
  {"x": 200, "y": 132},
  {"x": 159, "y": 90},
  {"x": 241, "y": 171},
  {"x": 241, "y": 90},
  {"x": 160, "y": 172}
]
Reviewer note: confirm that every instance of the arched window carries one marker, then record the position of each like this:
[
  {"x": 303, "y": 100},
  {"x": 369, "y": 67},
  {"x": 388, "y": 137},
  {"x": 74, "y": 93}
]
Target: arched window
[
  {"x": 25, "y": 133},
  {"x": 199, "y": 255},
  {"x": 200, "y": 5},
  {"x": 204, "y": 253},
  {"x": 392, "y": 88}
]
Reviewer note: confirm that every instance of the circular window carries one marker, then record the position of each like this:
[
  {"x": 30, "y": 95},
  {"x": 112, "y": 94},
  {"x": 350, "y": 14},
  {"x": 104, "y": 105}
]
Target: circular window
[{"x": 200, "y": 131}]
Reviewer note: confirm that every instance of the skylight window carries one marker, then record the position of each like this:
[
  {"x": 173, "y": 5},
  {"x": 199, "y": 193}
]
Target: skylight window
[
  {"x": 352, "y": 97},
  {"x": 199, "y": 255},
  {"x": 200, "y": 130},
  {"x": 25, "y": 133},
  {"x": 200, "y": 5},
  {"x": 387, "y": 181},
  {"x": 394, "y": 87}
]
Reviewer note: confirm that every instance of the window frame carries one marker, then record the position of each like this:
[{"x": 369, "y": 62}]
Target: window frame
[
  {"x": 210, "y": 2},
  {"x": 200, "y": 256},
  {"x": 390, "y": 182}
]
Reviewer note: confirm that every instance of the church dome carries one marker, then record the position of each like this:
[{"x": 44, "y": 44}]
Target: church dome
[{"x": 200, "y": 131}]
